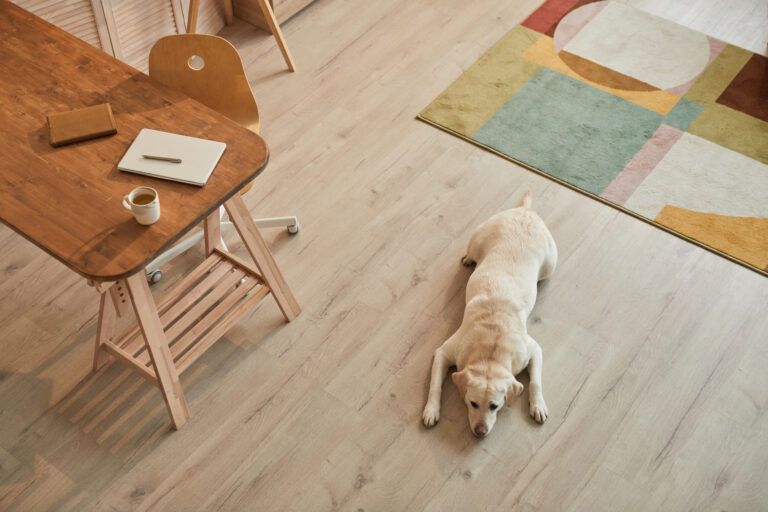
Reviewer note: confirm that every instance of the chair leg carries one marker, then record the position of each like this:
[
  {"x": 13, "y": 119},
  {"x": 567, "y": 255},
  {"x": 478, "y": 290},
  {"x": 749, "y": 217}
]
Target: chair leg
[
  {"x": 259, "y": 251},
  {"x": 291, "y": 223},
  {"x": 269, "y": 15},
  {"x": 157, "y": 346},
  {"x": 105, "y": 330}
]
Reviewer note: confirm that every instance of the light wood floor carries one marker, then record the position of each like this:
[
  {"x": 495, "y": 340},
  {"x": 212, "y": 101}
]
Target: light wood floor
[{"x": 655, "y": 351}]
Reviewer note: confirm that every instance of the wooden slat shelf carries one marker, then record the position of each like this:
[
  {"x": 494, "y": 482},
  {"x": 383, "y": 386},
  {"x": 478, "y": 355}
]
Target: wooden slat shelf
[{"x": 196, "y": 313}]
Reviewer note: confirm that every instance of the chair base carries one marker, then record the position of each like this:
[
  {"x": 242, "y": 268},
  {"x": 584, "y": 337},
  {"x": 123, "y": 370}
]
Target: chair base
[{"x": 154, "y": 274}]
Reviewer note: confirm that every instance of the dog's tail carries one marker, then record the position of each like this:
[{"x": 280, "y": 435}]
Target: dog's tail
[{"x": 527, "y": 200}]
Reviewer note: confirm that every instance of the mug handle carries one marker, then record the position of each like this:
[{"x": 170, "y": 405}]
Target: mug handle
[{"x": 126, "y": 204}]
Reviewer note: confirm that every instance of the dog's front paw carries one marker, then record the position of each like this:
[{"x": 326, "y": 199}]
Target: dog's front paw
[
  {"x": 539, "y": 410},
  {"x": 431, "y": 415}
]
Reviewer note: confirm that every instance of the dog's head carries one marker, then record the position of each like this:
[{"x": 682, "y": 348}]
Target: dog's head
[{"x": 485, "y": 393}]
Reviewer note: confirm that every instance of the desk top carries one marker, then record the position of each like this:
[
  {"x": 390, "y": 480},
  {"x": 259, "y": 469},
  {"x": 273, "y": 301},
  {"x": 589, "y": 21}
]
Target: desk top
[{"x": 67, "y": 200}]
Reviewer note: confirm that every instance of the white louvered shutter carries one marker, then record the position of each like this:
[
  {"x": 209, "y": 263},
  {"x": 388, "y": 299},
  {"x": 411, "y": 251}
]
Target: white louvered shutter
[
  {"x": 140, "y": 24},
  {"x": 75, "y": 16}
]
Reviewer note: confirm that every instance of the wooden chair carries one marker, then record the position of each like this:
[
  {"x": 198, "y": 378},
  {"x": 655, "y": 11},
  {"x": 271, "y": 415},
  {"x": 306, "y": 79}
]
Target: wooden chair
[
  {"x": 269, "y": 16},
  {"x": 208, "y": 69}
]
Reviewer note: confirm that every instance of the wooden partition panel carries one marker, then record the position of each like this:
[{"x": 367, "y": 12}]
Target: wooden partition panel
[{"x": 127, "y": 29}]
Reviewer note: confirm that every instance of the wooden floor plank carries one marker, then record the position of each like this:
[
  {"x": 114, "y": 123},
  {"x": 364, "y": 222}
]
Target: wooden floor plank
[{"x": 654, "y": 349}]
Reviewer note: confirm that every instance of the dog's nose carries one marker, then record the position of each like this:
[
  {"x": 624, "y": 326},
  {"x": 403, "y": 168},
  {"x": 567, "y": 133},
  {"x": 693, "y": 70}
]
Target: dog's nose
[{"x": 481, "y": 430}]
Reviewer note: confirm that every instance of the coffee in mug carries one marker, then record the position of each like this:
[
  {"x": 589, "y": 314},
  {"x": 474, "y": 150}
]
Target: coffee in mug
[
  {"x": 143, "y": 199},
  {"x": 144, "y": 204}
]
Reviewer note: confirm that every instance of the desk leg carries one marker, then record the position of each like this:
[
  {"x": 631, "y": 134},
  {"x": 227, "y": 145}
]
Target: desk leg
[
  {"x": 120, "y": 298},
  {"x": 212, "y": 230},
  {"x": 241, "y": 218},
  {"x": 105, "y": 330},
  {"x": 157, "y": 346}
]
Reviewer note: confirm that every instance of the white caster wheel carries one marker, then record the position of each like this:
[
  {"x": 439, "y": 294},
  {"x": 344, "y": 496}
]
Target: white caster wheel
[
  {"x": 154, "y": 277},
  {"x": 293, "y": 228}
]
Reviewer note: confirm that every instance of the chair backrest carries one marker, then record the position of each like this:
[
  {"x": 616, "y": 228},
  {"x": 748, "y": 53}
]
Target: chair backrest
[{"x": 208, "y": 69}]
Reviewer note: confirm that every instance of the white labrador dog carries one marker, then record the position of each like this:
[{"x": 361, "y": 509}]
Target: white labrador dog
[{"x": 513, "y": 250}]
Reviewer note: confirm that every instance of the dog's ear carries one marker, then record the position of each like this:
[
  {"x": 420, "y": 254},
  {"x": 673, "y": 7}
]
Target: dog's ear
[
  {"x": 460, "y": 379},
  {"x": 513, "y": 389}
]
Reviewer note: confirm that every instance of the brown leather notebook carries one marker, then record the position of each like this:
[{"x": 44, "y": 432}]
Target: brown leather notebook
[{"x": 82, "y": 124}]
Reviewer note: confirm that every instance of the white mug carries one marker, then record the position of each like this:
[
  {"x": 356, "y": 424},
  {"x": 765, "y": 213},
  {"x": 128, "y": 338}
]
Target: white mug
[{"x": 144, "y": 204}]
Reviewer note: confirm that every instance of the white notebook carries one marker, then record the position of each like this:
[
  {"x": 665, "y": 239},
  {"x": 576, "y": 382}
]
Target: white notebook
[{"x": 198, "y": 156}]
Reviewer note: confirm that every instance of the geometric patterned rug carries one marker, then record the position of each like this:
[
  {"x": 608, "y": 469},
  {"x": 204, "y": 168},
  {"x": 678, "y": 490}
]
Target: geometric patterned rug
[{"x": 659, "y": 120}]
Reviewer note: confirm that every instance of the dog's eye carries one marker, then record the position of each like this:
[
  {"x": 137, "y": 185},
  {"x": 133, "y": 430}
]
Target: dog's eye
[
  {"x": 474, "y": 404},
  {"x": 493, "y": 407}
]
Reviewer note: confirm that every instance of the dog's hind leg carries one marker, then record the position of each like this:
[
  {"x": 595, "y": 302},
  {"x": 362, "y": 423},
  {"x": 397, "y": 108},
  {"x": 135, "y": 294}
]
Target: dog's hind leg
[{"x": 440, "y": 365}]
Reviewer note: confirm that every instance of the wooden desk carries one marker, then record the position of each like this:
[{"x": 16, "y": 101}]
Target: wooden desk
[{"x": 67, "y": 200}]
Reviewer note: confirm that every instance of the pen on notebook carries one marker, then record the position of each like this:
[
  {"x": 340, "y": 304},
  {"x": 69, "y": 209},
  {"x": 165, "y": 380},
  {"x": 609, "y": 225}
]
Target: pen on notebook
[{"x": 163, "y": 158}]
